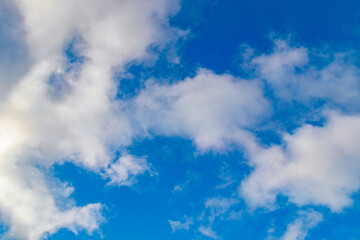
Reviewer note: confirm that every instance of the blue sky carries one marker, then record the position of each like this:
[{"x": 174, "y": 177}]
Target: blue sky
[{"x": 179, "y": 119}]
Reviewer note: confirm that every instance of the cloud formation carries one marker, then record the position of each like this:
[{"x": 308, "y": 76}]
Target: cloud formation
[
  {"x": 58, "y": 107},
  {"x": 212, "y": 110},
  {"x": 58, "y": 110},
  {"x": 294, "y": 74},
  {"x": 298, "y": 229},
  {"x": 315, "y": 165},
  {"x": 177, "y": 225}
]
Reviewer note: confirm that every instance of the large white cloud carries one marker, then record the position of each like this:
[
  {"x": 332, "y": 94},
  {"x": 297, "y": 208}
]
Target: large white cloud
[
  {"x": 213, "y": 110},
  {"x": 114, "y": 31},
  {"x": 56, "y": 112},
  {"x": 315, "y": 165}
]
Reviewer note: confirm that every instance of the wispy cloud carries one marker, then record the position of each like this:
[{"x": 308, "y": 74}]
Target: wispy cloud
[
  {"x": 293, "y": 76},
  {"x": 298, "y": 229},
  {"x": 208, "y": 232},
  {"x": 177, "y": 225}
]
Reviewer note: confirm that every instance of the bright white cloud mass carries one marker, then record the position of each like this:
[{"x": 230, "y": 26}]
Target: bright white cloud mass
[
  {"x": 317, "y": 165},
  {"x": 79, "y": 121},
  {"x": 213, "y": 110},
  {"x": 53, "y": 111}
]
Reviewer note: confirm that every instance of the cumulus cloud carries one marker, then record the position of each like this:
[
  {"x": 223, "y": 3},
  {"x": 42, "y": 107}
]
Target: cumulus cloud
[
  {"x": 60, "y": 111},
  {"x": 114, "y": 31},
  {"x": 212, "y": 110},
  {"x": 298, "y": 229},
  {"x": 30, "y": 206},
  {"x": 315, "y": 165},
  {"x": 56, "y": 111}
]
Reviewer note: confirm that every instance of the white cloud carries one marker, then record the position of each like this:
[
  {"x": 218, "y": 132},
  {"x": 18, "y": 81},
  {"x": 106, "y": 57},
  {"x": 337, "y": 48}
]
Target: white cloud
[
  {"x": 213, "y": 110},
  {"x": 315, "y": 165},
  {"x": 177, "y": 225},
  {"x": 279, "y": 66},
  {"x": 84, "y": 123},
  {"x": 208, "y": 232},
  {"x": 293, "y": 76},
  {"x": 41, "y": 125},
  {"x": 178, "y": 188},
  {"x": 29, "y": 205},
  {"x": 125, "y": 169},
  {"x": 220, "y": 205},
  {"x": 114, "y": 31},
  {"x": 217, "y": 208},
  {"x": 298, "y": 229},
  {"x": 235, "y": 215},
  {"x": 13, "y": 55}
]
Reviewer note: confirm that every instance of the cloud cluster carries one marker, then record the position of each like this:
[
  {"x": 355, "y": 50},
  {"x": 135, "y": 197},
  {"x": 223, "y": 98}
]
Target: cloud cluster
[
  {"x": 315, "y": 165},
  {"x": 60, "y": 111}
]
